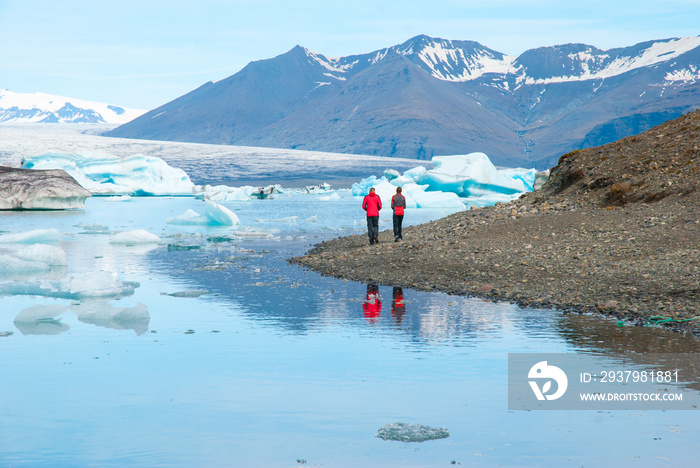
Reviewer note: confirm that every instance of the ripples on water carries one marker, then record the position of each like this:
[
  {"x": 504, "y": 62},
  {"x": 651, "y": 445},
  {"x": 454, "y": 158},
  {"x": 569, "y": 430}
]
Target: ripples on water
[{"x": 225, "y": 355}]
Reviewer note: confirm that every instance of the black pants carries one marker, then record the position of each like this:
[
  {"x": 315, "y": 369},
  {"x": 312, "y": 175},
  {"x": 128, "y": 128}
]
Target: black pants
[
  {"x": 398, "y": 219},
  {"x": 372, "y": 228}
]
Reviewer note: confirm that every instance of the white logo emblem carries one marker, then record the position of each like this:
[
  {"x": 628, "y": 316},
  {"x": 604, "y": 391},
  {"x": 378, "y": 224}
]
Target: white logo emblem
[{"x": 542, "y": 371}]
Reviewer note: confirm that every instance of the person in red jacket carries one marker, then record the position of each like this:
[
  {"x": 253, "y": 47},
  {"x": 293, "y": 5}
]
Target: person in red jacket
[
  {"x": 372, "y": 204},
  {"x": 398, "y": 204}
]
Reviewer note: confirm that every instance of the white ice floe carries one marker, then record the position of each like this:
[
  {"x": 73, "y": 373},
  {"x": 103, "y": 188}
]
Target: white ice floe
[
  {"x": 137, "y": 236},
  {"x": 213, "y": 215},
  {"x": 96, "y": 284},
  {"x": 104, "y": 174},
  {"x": 37, "y": 236},
  {"x": 51, "y": 255}
]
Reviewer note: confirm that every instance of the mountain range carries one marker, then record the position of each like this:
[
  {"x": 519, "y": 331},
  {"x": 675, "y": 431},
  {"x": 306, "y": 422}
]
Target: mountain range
[
  {"x": 431, "y": 96},
  {"x": 47, "y": 108}
]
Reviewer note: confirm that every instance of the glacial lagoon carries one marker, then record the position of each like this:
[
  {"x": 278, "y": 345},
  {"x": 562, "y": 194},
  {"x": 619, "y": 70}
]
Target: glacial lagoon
[{"x": 209, "y": 349}]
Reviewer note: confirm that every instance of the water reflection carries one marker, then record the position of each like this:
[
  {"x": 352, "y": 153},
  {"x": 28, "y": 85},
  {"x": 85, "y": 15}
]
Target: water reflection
[
  {"x": 41, "y": 320},
  {"x": 103, "y": 314},
  {"x": 398, "y": 306},
  {"x": 372, "y": 306}
]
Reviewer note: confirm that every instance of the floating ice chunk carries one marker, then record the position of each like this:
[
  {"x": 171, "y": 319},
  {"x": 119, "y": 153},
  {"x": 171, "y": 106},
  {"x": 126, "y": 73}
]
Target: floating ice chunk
[
  {"x": 214, "y": 215},
  {"x": 311, "y": 219},
  {"x": 92, "y": 227},
  {"x": 362, "y": 187},
  {"x": 51, "y": 255},
  {"x": 332, "y": 197},
  {"x": 188, "y": 217},
  {"x": 137, "y": 236},
  {"x": 11, "y": 264},
  {"x": 437, "y": 200},
  {"x": 416, "y": 174},
  {"x": 93, "y": 284},
  {"x": 31, "y": 259},
  {"x": 248, "y": 232},
  {"x": 103, "y": 314},
  {"x": 123, "y": 198},
  {"x": 38, "y": 236},
  {"x": 220, "y": 215},
  {"x": 404, "y": 432},
  {"x": 104, "y": 174},
  {"x": 224, "y": 193},
  {"x": 391, "y": 174},
  {"x": 462, "y": 174}
]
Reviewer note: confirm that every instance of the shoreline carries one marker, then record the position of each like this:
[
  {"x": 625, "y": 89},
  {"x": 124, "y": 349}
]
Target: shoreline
[
  {"x": 615, "y": 231},
  {"x": 634, "y": 263}
]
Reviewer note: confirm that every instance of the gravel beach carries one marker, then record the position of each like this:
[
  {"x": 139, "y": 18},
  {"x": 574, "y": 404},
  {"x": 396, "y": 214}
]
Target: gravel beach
[{"x": 615, "y": 230}]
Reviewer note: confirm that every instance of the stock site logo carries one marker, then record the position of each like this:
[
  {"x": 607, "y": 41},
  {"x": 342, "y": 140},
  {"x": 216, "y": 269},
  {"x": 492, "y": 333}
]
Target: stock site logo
[{"x": 541, "y": 371}]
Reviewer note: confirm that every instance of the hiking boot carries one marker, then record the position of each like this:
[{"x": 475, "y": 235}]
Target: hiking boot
[
  {"x": 396, "y": 239},
  {"x": 376, "y": 240}
]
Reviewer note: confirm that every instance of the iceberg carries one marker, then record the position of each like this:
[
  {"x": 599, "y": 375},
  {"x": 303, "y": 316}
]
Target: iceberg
[
  {"x": 50, "y": 255},
  {"x": 24, "y": 189},
  {"x": 214, "y": 215},
  {"x": 97, "y": 284},
  {"x": 137, "y": 236},
  {"x": 469, "y": 179},
  {"x": 103, "y": 174}
]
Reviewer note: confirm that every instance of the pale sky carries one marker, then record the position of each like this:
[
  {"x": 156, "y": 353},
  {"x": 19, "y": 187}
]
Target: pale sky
[{"x": 144, "y": 53}]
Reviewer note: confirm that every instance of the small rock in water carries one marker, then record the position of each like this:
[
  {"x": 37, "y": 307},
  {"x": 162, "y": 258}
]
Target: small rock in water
[{"x": 404, "y": 432}]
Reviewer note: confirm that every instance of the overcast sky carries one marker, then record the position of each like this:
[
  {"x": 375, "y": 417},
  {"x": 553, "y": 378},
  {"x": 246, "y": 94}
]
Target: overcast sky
[{"x": 145, "y": 53}]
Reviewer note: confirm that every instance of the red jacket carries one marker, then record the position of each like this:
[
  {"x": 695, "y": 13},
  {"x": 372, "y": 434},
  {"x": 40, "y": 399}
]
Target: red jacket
[{"x": 372, "y": 204}]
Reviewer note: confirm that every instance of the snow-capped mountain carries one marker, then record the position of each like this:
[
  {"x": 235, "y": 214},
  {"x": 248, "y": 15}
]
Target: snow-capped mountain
[
  {"x": 431, "y": 96},
  {"x": 45, "y": 108}
]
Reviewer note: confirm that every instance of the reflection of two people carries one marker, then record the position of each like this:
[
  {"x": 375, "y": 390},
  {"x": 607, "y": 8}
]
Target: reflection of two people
[
  {"x": 372, "y": 305},
  {"x": 398, "y": 307}
]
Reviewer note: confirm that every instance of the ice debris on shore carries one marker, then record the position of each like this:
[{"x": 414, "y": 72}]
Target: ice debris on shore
[
  {"x": 104, "y": 174},
  {"x": 214, "y": 215},
  {"x": 469, "y": 179},
  {"x": 404, "y": 432}
]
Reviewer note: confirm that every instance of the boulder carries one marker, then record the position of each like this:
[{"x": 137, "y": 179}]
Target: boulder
[{"x": 29, "y": 189}]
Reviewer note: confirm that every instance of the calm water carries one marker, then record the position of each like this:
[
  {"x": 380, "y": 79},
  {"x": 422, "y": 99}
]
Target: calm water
[{"x": 225, "y": 355}]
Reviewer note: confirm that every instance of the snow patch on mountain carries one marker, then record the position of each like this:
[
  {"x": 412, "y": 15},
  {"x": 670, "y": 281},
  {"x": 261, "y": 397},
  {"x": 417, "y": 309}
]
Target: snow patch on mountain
[
  {"x": 47, "y": 108},
  {"x": 603, "y": 65},
  {"x": 683, "y": 75}
]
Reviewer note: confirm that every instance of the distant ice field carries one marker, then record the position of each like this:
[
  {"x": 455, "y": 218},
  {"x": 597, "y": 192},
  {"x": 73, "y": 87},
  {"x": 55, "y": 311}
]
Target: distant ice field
[{"x": 205, "y": 164}]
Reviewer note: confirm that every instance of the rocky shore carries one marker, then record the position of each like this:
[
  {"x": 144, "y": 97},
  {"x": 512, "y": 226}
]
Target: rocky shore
[{"x": 615, "y": 230}]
